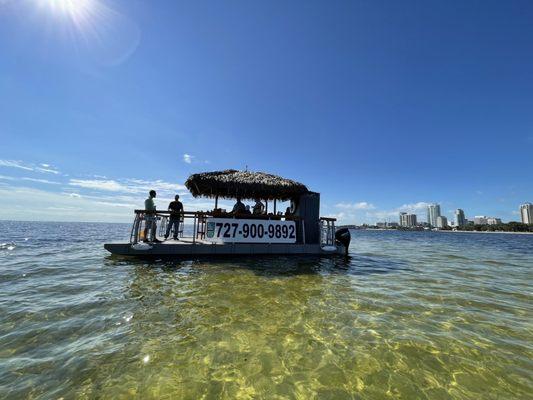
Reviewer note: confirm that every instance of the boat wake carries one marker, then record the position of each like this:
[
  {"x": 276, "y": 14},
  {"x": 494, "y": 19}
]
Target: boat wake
[{"x": 8, "y": 246}]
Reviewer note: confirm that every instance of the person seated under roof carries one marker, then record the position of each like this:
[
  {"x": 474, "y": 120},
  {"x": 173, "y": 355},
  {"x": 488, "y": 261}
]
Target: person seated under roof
[
  {"x": 239, "y": 207},
  {"x": 259, "y": 208}
]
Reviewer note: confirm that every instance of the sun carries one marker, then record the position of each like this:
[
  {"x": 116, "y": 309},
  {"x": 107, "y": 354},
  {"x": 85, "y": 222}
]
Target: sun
[
  {"x": 97, "y": 31},
  {"x": 78, "y": 11}
]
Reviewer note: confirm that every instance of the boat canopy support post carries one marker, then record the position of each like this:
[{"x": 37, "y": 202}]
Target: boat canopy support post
[
  {"x": 216, "y": 201},
  {"x": 274, "y": 206}
]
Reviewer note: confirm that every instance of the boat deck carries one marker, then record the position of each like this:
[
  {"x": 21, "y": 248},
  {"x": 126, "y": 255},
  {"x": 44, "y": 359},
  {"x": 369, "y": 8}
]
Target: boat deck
[{"x": 186, "y": 248}]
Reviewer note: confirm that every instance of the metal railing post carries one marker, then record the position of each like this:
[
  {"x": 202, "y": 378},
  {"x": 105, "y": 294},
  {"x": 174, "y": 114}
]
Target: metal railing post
[
  {"x": 194, "y": 231},
  {"x": 134, "y": 235}
]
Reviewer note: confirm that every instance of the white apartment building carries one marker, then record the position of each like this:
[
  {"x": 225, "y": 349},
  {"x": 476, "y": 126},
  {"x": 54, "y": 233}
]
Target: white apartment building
[{"x": 526, "y": 213}]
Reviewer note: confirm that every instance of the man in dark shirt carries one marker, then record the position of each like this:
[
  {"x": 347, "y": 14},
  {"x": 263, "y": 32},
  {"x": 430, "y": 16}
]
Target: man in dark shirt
[
  {"x": 239, "y": 207},
  {"x": 176, "y": 208}
]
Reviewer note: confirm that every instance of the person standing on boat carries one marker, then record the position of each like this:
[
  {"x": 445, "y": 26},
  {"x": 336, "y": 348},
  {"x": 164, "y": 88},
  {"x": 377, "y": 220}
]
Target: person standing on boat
[
  {"x": 176, "y": 208},
  {"x": 150, "y": 218}
]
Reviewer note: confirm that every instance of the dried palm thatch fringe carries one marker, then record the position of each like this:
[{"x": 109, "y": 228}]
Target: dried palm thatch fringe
[{"x": 246, "y": 184}]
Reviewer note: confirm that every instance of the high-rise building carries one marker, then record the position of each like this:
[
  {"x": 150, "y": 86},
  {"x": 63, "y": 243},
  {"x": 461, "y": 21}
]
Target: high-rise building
[
  {"x": 483, "y": 220},
  {"x": 433, "y": 214},
  {"x": 442, "y": 222},
  {"x": 460, "y": 219},
  {"x": 408, "y": 220},
  {"x": 403, "y": 219},
  {"x": 526, "y": 213},
  {"x": 480, "y": 220}
]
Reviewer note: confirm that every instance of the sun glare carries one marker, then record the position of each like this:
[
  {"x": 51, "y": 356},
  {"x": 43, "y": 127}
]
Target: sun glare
[
  {"x": 78, "y": 11},
  {"x": 97, "y": 31}
]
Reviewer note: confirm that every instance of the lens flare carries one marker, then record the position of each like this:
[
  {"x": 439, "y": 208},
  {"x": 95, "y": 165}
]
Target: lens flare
[
  {"x": 99, "y": 33},
  {"x": 79, "y": 12}
]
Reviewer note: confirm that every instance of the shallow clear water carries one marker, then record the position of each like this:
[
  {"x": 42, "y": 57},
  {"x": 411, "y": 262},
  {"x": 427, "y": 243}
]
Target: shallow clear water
[{"x": 410, "y": 315}]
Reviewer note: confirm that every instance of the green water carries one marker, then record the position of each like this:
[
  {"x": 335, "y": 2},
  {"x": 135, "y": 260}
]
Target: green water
[{"x": 410, "y": 315}]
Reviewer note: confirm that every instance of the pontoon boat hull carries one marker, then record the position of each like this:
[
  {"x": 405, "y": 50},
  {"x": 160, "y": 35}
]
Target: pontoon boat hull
[{"x": 183, "y": 249}]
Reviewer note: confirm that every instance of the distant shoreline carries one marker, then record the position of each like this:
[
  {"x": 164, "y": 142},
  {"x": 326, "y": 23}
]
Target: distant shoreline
[
  {"x": 446, "y": 231},
  {"x": 512, "y": 233}
]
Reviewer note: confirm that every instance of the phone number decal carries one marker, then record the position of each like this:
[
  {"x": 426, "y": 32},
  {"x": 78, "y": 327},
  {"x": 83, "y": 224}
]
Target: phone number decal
[{"x": 221, "y": 230}]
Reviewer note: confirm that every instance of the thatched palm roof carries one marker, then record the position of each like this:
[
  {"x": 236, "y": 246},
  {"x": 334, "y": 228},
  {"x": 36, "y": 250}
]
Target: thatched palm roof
[{"x": 248, "y": 185}]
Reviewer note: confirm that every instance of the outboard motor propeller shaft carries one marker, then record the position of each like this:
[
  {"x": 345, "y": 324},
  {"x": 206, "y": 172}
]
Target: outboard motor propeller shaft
[{"x": 343, "y": 237}]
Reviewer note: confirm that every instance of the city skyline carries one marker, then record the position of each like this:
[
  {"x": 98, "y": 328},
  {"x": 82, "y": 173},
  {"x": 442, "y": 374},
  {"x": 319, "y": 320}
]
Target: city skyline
[{"x": 405, "y": 219}]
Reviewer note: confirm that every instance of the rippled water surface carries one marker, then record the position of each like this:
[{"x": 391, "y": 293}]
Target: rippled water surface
[{"x": 410, "y": 315}]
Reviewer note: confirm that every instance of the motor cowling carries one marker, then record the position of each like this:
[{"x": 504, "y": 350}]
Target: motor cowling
[{"x": 343, "y": 237}]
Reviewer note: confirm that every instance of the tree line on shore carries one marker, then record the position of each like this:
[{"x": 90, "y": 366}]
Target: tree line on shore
[
  {"x": 508, "y": 227},
  {"x": 503, "y": 227}
]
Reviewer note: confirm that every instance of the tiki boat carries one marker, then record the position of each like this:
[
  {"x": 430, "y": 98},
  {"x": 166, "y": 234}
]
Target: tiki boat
[{"x": 297, "y": 231}]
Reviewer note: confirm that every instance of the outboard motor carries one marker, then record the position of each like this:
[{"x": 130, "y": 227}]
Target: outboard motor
[{"x": 343, "y": 237}]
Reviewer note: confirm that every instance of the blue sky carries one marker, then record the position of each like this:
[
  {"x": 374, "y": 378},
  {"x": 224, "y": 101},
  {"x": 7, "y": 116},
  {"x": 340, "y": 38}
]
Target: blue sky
[{"x": 381, "y": 106}]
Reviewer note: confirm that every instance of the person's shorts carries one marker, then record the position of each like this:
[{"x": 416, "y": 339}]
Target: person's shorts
[{"x": 150, "y": 219}]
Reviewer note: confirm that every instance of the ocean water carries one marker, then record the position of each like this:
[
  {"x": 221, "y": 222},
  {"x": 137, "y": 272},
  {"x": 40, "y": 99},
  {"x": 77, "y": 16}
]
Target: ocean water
[{"x": 411, "y": 315}]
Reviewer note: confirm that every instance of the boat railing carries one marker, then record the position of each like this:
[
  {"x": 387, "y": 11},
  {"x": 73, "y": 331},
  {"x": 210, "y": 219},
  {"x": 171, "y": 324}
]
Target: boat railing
[
  {"x": 327, "y": 231},
  {"x": 198, "y": 220}
]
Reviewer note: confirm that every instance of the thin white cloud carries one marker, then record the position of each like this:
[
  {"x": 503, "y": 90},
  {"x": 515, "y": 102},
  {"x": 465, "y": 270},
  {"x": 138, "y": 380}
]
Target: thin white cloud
[
  {"x": 44, "y": 168},
  {"x": 341, "y": 216},
  {"x": 47, "y": 170},
  {"x": 141, "y": 185},
  {"x": 99, "y": 184},
  {"x": 110, "y": 204},
  {"x": 381, "y": 215},
  {"x": 127, "y": 185},
  {"x": 418, "y": 208},
  {"x": 363, "y": 205},
  {"x": 412, "y": 207},
  {"x": 15, "y": 164},
  {"x": 24, "y": 178},
  {"x": 41, "y": 181},
  {"x": 187, "y": 158}
]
